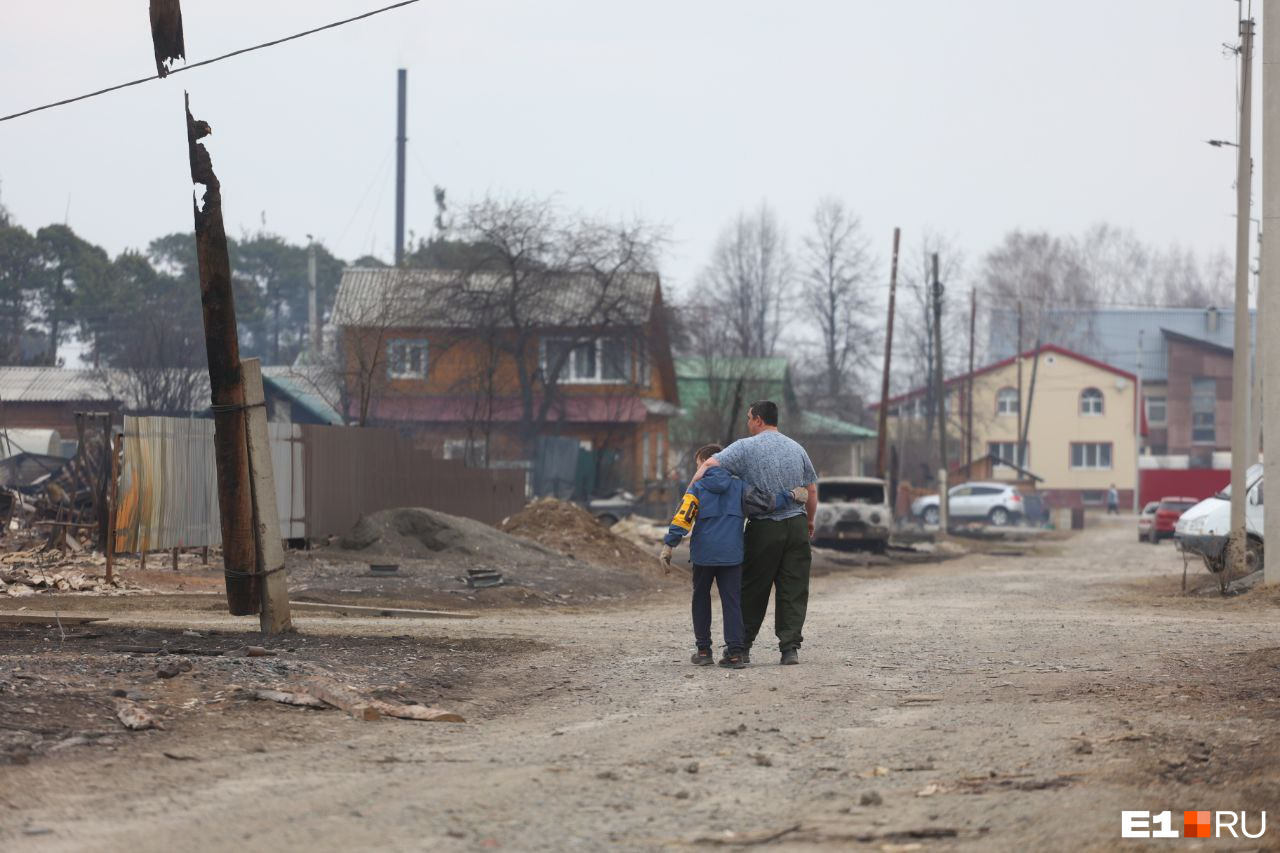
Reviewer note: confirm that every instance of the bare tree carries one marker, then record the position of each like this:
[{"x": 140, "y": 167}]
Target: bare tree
[
  {"x": 542, "y": 289},
  {"x": 749, "y": 277},
  {"x": 838, "y": 267}
]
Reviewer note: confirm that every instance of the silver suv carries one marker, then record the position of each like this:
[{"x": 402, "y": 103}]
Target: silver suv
[{"x": 998, "y": 503}]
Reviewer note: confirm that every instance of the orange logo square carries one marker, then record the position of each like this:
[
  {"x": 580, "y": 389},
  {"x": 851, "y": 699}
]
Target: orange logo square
[{"x": 1195, "y": 824}]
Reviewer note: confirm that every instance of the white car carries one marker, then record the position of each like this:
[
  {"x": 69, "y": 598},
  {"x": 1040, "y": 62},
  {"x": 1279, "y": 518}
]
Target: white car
[
  {"x": 997, "y": 503},
  {"x": 1204, "y": 529},
  {"x": 853, "y": 511}
]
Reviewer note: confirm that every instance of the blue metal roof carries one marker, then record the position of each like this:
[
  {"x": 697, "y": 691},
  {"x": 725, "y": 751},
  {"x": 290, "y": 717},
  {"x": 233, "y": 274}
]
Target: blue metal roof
[{"x": 1112, "y": 335}]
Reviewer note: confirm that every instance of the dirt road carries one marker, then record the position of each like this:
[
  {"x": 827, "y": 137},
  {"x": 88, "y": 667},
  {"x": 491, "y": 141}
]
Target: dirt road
[{"x": 992, "y": 702}]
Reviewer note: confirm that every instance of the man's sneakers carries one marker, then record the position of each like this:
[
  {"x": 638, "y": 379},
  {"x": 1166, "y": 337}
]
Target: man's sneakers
[
  {"x": 790, "y": 657},
  {"x": 702, "y": 657},
  {"x": 734, "y": 661},
  {"x": 746, "y": 655}
]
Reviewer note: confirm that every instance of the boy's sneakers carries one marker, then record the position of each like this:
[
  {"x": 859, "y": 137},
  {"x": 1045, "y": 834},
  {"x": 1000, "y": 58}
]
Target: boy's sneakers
[
  {"x": 737, "y": 661},
  {"x": 790, "y": 657},
  {"x": 702, "y": 657}
]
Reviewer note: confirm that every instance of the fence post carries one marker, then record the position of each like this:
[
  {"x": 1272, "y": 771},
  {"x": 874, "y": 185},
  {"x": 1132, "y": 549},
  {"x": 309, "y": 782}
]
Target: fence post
[{"x": 274, "y": 615}]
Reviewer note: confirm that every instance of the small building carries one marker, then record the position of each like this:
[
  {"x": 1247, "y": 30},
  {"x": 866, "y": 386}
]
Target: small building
[
  {"x": 47, "y": 398},
  {"x": 1080, "y": 426},
  {"x": 716, "y": 391}
]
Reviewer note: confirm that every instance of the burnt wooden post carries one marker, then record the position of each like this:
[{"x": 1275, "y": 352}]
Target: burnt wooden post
[
  {"x": 113, "y": 500},
  {"x": 231, "y": 446}
]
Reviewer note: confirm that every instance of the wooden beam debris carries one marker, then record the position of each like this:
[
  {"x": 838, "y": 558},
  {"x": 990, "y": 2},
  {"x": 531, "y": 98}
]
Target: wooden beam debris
[{"x": 166, "y": 34}]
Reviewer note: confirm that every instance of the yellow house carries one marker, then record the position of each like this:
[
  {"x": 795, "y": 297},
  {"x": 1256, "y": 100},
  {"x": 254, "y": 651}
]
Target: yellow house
[{"x": 1080, "y": 429}]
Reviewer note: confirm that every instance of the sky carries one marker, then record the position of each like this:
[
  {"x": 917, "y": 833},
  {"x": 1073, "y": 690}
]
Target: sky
[{"x": 964, "y": 118}]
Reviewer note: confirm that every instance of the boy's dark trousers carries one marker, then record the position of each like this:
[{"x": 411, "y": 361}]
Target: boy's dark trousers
[
  {"x": 728, "y": 580},
  {"x": 778, "y": 556}
]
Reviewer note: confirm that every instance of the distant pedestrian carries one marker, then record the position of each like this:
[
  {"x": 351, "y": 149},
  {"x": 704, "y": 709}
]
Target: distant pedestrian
[
  {"x": 778, "y": 554},
  {"x": 1113, "y": 500}
]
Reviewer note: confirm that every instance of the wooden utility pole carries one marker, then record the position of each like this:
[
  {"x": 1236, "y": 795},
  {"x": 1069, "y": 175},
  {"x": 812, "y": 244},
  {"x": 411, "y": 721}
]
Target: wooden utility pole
[
  {"x": 222, "y": 347},
  {"x": 944, "y": 498},
  {"x": 882, "y": 429},
  {"x": 1018, "y": 355},
  {"x": 968, "y": 391},
  {"x": 1020, "y": 456}
]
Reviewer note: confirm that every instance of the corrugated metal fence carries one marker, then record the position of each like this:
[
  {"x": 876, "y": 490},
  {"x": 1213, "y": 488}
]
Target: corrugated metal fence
[{"x": 326, "y": 478}]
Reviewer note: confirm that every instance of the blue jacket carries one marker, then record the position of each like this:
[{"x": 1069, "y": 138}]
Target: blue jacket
[{"x": 716, "y": 503}]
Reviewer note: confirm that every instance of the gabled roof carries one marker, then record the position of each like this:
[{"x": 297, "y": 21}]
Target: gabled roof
[
  {"x": 423, "y": 298},
  {"x": 814, "y": 424},
  {"x": 1000, "y": 365},
  {"x": 53, "y": 385}
]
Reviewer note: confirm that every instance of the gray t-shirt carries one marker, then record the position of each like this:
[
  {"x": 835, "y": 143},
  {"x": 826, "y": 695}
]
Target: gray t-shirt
[{"x": 772, "y": 462}]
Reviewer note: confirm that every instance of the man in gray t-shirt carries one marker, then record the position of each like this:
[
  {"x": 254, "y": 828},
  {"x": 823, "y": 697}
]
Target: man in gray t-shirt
[{"x": 777, "y": 552}]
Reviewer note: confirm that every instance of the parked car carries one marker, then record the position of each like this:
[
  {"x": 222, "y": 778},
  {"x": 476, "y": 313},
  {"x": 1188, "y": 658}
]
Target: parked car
[
  {"x": 853, "y": 511},
  {"x": 1203, "y": 529},
  {"x": 998, "y": 503},
  {"x": 610, "y": 509},
  {"x": 1165, "y": 517},
  {"x": 1147, "y": 520}
]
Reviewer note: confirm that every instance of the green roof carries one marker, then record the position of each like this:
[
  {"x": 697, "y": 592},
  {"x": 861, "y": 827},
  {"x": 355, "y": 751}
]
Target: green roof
[
  {"x": 712, "y": 381},
  {"x": 812, "y": 423},
  {"x": 731, "y": 367}
]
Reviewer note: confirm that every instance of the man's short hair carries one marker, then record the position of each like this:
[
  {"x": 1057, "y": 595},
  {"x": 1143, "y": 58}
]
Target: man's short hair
[
  {"x": 765, "y": 410},
  {"x": 705, "y": 452}
]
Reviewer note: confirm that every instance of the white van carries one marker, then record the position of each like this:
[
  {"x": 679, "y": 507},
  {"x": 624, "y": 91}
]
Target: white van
[{"x": 1205, "y": 528}]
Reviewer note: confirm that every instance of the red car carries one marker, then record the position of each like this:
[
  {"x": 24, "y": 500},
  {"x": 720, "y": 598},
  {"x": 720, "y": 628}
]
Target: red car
[{"x": 1157, "y": 519}]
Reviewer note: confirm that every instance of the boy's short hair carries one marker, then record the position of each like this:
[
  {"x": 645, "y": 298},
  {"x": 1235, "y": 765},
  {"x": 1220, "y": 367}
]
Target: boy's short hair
[
  {"x": 705, "y": 452},
  {"x": 765, "y": 410}
]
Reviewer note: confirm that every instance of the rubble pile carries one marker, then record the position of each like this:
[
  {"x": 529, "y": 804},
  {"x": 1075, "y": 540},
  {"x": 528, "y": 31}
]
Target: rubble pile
[
  {"x": 424, "y": 534},
  {"x": 25, "y": 573},
  {"x": 645, "y": 533},
  {"x": 574, "y": 532}
]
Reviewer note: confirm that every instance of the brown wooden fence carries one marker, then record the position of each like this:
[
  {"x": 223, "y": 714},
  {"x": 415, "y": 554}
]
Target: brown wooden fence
[{"x": 353, "y": 472}]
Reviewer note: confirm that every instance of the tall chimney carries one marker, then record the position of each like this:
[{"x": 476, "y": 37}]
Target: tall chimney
[{"x": 403, "y": 81}]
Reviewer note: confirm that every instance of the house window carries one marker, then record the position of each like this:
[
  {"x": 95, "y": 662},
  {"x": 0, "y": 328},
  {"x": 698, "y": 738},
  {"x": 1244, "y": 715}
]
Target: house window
[
  {"x": 1091, "y": 401},
  {"x": 470, "y": 451},
  {"x": 1007, "y": 451},
  {"x": 1157, "y": 411},
  {"x": 1007, "y": 401},
  {"x": 407, "y": 359},
  {"x": 604, "y": 360},
  {"x": 1092, "y": 497},
  {"x": 1204, "y": 404},
  {"x": 1091, "y": 455}
]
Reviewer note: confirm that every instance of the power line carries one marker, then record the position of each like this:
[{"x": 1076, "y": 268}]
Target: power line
[{"x": 192, "y": 65}]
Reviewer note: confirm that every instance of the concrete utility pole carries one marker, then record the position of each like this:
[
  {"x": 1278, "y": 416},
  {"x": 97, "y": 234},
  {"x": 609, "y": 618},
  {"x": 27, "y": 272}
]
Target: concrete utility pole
[
  {"x": 944, "y": 499},
  {"x": 1270, "y": 270},
  {"x": 402, "y": 88},
  {"x": 882, "y": 429},
  {"x": 1240, "y": 357},
  {"x": 1255, "y": 398}
]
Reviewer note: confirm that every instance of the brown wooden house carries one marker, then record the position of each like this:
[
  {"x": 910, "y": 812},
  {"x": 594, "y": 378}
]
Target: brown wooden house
[{"x": 489, "y": 370}]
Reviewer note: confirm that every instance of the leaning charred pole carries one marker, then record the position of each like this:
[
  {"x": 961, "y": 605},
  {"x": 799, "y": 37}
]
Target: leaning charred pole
[{"x": 231, "y": 447}]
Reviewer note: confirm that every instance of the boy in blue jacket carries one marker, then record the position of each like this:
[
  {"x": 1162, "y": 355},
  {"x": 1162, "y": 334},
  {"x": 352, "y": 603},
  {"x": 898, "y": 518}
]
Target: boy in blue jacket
[{"x": 720, "y": 504}]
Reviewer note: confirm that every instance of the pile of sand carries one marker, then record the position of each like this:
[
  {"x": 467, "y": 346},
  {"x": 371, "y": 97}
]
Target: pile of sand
[
  {"x": 574, "y": 532},
  {"x": 414, "y": 533}
]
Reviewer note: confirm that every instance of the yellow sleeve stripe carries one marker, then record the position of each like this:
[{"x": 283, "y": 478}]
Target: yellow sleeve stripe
[{"x": 687, "y": 514}]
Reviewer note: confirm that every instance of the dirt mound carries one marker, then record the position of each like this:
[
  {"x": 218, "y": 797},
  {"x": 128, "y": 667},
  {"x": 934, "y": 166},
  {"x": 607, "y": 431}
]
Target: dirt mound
[
  {"x": 574, "y": 532},
  {"x": 415, "y": 533}
]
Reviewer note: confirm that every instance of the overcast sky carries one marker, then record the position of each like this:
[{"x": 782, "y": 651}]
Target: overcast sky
[{"x": 970, "y": 118}]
